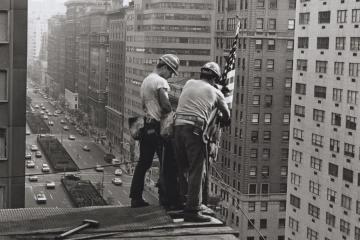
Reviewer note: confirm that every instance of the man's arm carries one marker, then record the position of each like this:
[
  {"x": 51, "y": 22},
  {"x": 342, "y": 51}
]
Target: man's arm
[
  {"x": 164, "y": 101},
  {"x": 224, "y": 109}
]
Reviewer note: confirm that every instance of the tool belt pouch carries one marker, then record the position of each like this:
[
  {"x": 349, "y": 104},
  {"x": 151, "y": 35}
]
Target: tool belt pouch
[{"x": 167, "y": 126}]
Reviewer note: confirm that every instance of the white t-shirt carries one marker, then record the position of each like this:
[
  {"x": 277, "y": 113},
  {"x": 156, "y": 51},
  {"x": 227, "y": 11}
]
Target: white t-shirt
[{"x": 149, "y": 93}]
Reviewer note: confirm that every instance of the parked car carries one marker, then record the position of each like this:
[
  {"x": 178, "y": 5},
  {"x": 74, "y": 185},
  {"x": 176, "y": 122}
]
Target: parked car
[
  {"x": 99, "y": 168},
  {"x": 28, "y": 156},
  {"x": 41, "y": 198},
  {"x": 34, "y": 148},
  {"x": 51, "y": 123},
  {"x": 66, "y": 128},
  {"x": 28, "y": 132},
  {"x": 86, "y": 148},
  {"x": 71, "y": 137},
  {"x": 62, "y": 121},
  {"x": 50, "y": 185},
  {"x": 30, "y": 164},
  {"x": 33, "y": 178},
  {"x": 118, "y": 172},
  {"x": 38, "y": 154},
  {"x": 45, "y": 168},
  {"x": 45, "y": 117},
  {"x": 117, "y": 181},
  {"x": 115, "y": 162}
]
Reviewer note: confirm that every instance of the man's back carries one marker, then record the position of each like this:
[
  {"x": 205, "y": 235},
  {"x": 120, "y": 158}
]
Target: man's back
[{"x": 198, "y": 98}]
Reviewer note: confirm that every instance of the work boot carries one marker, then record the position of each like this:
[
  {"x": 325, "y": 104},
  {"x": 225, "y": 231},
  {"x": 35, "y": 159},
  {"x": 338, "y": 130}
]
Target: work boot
[
  {"x": 136, "y": 203},
  {"x": 195, "y": 216}
]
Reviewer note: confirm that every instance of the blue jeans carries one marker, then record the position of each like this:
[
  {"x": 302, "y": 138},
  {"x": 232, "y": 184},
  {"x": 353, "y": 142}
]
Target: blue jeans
[{"x": 190, "y": 155}]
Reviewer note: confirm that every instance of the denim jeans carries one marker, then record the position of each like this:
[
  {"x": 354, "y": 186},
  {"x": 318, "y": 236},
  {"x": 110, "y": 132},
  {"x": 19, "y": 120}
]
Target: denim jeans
[{"x": 190, "y": 155}]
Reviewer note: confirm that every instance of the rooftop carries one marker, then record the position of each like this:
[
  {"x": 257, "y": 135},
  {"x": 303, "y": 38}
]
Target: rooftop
[{"x": 115, "y": 222}]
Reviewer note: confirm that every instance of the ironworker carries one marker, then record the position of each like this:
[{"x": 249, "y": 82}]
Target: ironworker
[
  {"x": 196, "y": 102},
  {"x": 154, "y": 96}
]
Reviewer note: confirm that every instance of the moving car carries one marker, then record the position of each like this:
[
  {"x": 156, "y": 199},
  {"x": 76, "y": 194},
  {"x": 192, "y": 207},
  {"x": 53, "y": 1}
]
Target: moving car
[
  {"x": 45, "y": 168},
  {"x": 99, "y": 168},
  {"x": 45, "y": 117},
  {"x": 50, "y": 185},
  {"x": 71, "y": 137},
  {"x": 116, "y": 181},
  {"x": 51, "y": 123},
  {"x": 115, "y": 162},
  {"x": 34, "y": 148},
  {"x": 38, "y": 154},
  {"x": 86, "y": 148},
  {"x": 66, "y": 128},
  {"x": 62, "y": 121},
  {"x": 118, "y": 172},
  {"x": 33, "y": 178},
  {"x": 41, "y": 198},
  {"x": 30, "y": 164},
  {"x": 28, "y": 156}
]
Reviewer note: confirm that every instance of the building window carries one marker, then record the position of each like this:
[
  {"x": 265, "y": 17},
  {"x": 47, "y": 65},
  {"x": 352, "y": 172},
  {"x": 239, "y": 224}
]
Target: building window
[
  {"x": 295, "y": 179},
  {"x": 264, "y": 188},
  {"x": 257, "y": 82},
  {"x": 344, "y": 227},
  {"x": 311, "y": 234},
  {"x": 260, "y": 3},
  {"x": 331, "y": 195},
  {"x": 267, "y": 135},
  {"x": 355, "y": 17},
  {"x": 288, "y": 82},
  {"x": 298, "y": 134},
  {"x": 251, "y": 205},
  {"x": 354, "y": 69},
  {"x": 287, "y": 101},
  {"x": 348, "y": 175},
  {"x": 315, "y": 163},
  {"x": 322, "y": 43},
  {"x": 334, "y": 145},
  {"x": 268, "y": 100},
  {"x": 319, "y": 91},
  {"x": 339, "y": 68},
  {"x": 286, "y": 118},
  {"x": 321, "y": 66},
  {"x": 355, "y": 43},
  {"x": 253, "y": 153},
  {"x": 258, "y": 44},
  {"x": 304, "y": 18},
  {"x": 283, "y": 171},
  {"x": 3, "y": 86},
  {"x": 300, "y": 88},
  {"x": 263, "y": 206},
  {"x": 341, "y": 16},
  {"x": 333, "y": 169},
  {"x": 259, "y": 23},
  {"x": 263, "y": 223},
  {"x": 301, "y": 65},
  {"x": 358, "y": 204},
  {"x": 324, "y": 17},
  {"x": 340, "y": 43},
  {"x": 303, "y": 42},
  {"x": 318, "y": 115},
  {"x": 271, "y": 44},
  {"x": 256, "y": 100},
  {"x": 317, "y": 140},
  {"x": 282, "y": 206},
  {"x": 257, "y": 64},
  {"x": 265, "y": 171},
  {"x": 357, "y": 233},
  {"x": 272, "y": 24},
  {"x": 351, "y": 122},
  {"x": 296, "y": 156},
  {"x": 293, "y": 224},
  {"x": 252, "y": 187},
  {"x": 289, "y": 65},
  {"x": 352, "y": 97},
  {"x": 346, "y": 202},
  {"x": 255, "y": 118},
  {"x": 269, "y": 82},
  {"x": 314, "y": 187},
  {"x": 291, "y": 24},
  {"x": 254, "y": 136},
  {"x": 252, "y": 171},
  {"x": 270, "y": 64},
  {"x": 251, "y": 223},
  {"x": 292, "y": 4},
  {"x": 272, "y": 4},
  {"x": 3, "y": 144},
  {"x": 337, "y": 94},
  {"x": 313, "y": 211},
  {"x": 267, "y": 118},
  {"x": 266, "y": 153},
  {"x": 290, "y": 44},
  {"x": 299, "y": 110},
  {"x": 330, "y": 219},
  {"x": 285, "y": 135}
]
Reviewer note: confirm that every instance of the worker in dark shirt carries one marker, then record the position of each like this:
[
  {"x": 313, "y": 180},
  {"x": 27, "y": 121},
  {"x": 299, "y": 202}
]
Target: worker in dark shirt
[{"x": 197, "y": 100}]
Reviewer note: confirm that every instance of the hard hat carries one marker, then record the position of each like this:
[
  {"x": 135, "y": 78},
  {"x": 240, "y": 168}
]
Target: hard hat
[
  {"x": 172, "y": 61},
  {"x": 213, "y": 67}
]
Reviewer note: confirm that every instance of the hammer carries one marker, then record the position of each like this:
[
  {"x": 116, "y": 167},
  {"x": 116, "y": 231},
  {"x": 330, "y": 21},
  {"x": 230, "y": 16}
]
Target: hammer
[{"x": 87, "y": 223}]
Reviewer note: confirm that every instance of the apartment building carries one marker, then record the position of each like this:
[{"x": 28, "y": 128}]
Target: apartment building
[
  {"x": 115, "y": 106},
  {"x": 324, "y": 171},
  {"x": 251, "y": 172},
  {"x": 13, "y": 46},
  {"x": 157, "y": 27}
]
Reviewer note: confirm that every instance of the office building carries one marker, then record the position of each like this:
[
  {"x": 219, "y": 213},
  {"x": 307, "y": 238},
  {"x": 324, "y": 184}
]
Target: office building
[
  {"x": 251, "y": 172},
  {"x": 323, "y": 182}
]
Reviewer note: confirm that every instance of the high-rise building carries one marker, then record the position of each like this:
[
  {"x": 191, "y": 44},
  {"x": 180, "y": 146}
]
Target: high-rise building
[
  {"x": 117, "y": 49},
  {"x": 157, "y": 27},
  {"x": 56, "y": 56},
  {"x": 323, "y": 182},
  {"x": 250, "y": 175},
  {"x": 13, "y": 41}
]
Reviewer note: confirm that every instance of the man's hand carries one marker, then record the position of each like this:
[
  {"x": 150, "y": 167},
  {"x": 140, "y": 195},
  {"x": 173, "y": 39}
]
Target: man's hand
[{"x": 164, "y": 101}]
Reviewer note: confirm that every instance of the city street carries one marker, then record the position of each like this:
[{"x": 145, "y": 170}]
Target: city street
[{"x": 86, "y": 161}]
